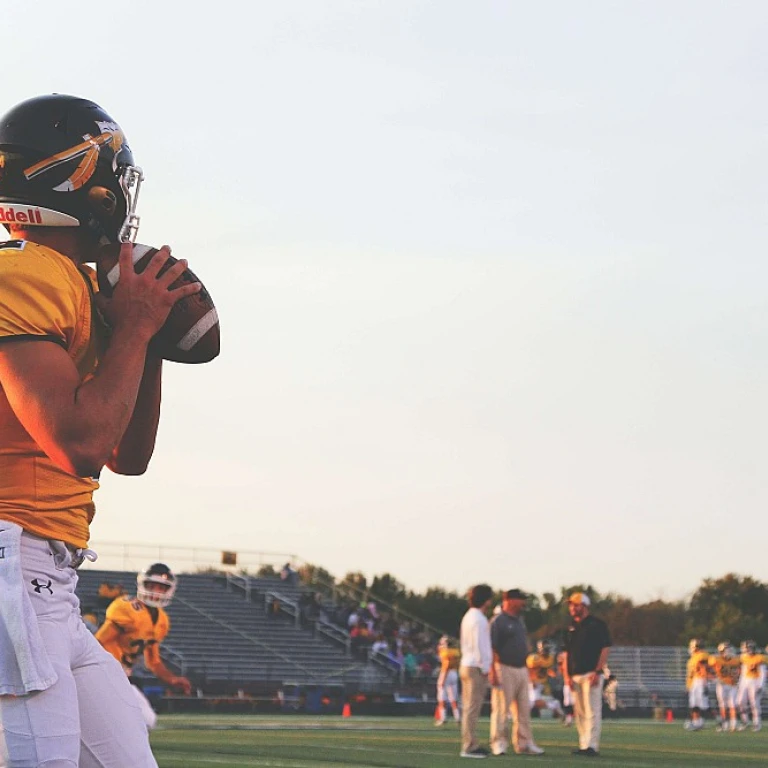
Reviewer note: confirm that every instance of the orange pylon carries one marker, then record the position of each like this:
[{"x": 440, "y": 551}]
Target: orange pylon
[
  {"x": 670, "y": 716},
  {"x": 346, "y": 710}
]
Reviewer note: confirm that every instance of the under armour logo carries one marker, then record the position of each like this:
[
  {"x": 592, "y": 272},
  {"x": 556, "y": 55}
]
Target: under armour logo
[{"x": 40, "y": 586}]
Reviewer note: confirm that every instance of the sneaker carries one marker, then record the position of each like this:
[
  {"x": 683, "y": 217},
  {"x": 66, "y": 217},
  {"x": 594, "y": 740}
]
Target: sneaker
[
  {"x": 756, "y": 728},
  {"x": 741, "y": 727},
  {"x": 438, "y": 723},
  {"x": 588, "y": 752},
  {"x": 531, "y": 749},
  {"x": 476, "y": 752}
]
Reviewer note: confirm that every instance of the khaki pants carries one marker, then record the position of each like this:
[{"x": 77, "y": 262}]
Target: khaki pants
[
  {"x": 510, "y": 697},
  {"x": 588, "y": 710},
  {"x": 474, "y": 685}
]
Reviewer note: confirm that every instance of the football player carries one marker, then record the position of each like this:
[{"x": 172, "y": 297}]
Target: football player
[
  {"x": 697, "y": 672},
  {"x": 136, "y": 626},
  {"x": 751, "y": 683},
  {"x": 447, "y": 680},
  {"x": 79, "y": 391},
  {"x": 542, "y": 666},
  {"x": 725, "y": 668}
]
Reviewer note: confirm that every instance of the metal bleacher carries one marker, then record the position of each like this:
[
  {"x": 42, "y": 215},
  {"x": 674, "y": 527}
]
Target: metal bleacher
[{"x": 222, "y": 634}]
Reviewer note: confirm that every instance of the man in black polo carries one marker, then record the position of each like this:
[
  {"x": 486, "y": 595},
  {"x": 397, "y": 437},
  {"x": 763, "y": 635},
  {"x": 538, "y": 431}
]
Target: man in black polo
[
  {"x": 587, "y": 644},
  {"x": 509, "y": 678}
]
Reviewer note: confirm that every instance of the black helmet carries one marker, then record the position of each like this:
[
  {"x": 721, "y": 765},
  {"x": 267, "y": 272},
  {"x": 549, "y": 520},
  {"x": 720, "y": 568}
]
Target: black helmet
[{"x": 64, "y": 162}]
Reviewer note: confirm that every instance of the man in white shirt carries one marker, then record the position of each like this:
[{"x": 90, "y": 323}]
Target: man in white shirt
[{"x": 476, "y": 660}]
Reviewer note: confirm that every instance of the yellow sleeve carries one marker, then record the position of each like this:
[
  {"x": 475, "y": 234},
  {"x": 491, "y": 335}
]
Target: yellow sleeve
[
  {"x": 42, "y": 296},
  {"x": 530, "y": 661}
]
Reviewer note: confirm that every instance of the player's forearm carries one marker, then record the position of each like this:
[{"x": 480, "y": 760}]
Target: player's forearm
[
  {"x": 133, "y": 452},
  {"x": 103, "y": 405},
  {"x": 603, "y": 660},
  {"x": 160, "y": 671}
]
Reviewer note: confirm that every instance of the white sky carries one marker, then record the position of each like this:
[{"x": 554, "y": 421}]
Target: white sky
[{"x": 491, "y": 279}]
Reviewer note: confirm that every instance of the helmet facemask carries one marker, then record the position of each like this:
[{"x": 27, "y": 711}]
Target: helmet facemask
[{"x": 160, "y": 575}]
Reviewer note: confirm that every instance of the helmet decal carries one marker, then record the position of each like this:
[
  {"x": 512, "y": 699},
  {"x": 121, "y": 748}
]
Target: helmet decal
[{"x": 89, "y": 151}]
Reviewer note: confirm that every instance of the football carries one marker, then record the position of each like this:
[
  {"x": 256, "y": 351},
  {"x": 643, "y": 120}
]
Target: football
[{"x": 191, "y": 332}]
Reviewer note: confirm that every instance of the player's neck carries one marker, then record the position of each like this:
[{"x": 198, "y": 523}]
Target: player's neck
[{"x": 72, "y": 242}]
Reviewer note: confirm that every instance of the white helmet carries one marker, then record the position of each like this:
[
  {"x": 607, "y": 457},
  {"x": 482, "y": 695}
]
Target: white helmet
[
  {"x": 157, "y": 573},
  {"x": 748, "y": 646},
  {"x": 694, "y": 645},
  {"x": 725, "y": 649}
]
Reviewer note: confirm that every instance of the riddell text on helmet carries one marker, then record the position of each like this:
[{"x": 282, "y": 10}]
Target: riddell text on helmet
[
  {"x": 28, "y": 216},
  {"x": 20, "y": 213}
]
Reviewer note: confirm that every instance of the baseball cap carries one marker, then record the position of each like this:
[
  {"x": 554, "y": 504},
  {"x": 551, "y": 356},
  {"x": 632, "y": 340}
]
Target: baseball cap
[
  {"x": 515, "y": 594},
  {"x": 579, "y": 598}
]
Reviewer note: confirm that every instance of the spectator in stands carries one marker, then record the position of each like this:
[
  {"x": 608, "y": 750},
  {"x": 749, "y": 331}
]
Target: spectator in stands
[
  {"x": 289, "y": 575},
  {"x": 395, "y": 655},
  {"x": 410, "y": 663},
  {"x": 476, "y": 660},
  {"x": 587, "y": 644},
  {"x": 380, "y": 645}
]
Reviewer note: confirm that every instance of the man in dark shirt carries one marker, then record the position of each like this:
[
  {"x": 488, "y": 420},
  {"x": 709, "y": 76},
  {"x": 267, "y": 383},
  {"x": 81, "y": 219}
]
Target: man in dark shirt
[
  {"x": 509, "y": 678},
  {"x": 586, "y": 654}
]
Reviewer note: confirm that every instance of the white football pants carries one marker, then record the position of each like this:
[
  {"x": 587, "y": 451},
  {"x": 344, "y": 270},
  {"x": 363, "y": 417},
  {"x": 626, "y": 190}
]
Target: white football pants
[{"x": 89, "y": 717}]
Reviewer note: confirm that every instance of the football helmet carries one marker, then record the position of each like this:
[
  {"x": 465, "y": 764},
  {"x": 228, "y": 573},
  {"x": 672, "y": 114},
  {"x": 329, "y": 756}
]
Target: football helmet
[
  {"x": 694, "y": 645},
  {"x": 544, "y": 648},
  {"x": 64, "y": 162},
  {"x": 725, "y": 649},
  {"x": 157, "y": 573},
  {"x": 748, "y": 646}
]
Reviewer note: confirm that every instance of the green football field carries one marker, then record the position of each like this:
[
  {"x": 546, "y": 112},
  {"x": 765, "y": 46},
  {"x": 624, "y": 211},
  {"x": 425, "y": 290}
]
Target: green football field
[{"x": 234, "y": 741}]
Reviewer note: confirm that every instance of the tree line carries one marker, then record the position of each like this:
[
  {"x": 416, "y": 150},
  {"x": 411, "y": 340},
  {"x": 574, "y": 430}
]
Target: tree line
[{"x": 732, "y": 607}]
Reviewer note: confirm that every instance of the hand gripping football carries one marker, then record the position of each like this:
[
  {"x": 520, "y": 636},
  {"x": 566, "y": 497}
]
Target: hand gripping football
[{"x": 191, "y": 332}]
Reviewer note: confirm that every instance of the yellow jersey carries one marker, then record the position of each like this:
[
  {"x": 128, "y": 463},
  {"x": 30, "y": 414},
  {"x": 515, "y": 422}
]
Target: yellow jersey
[
  {"x": 449, "y": 658},
  {"x": 751, "y": 664},
  {"x": 540, "y": 668},
  {"x": 139, "y": 627},
  {"x": 697, "y": 667},
  {"x": 45, "y": 296},
  {"x": 726, "y": 670}
]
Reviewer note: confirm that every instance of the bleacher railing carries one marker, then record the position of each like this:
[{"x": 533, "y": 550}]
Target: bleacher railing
[{"x": 130, "y": 556}]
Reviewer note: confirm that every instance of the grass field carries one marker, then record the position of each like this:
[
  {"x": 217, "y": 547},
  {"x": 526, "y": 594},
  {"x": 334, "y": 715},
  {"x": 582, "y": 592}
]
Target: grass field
[{"x": 241, "y": 741}]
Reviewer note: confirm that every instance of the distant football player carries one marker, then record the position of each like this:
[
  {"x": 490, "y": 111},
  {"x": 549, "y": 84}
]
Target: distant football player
[
  {"x": 697, "y": 673},
  {"x": 136, "y": 626},
  {"x": 725, "y": 668},
  {"x": 751, "y": 683},
  {"x": 447, "y": 680},
  {"x": 542, "y": 667}
]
